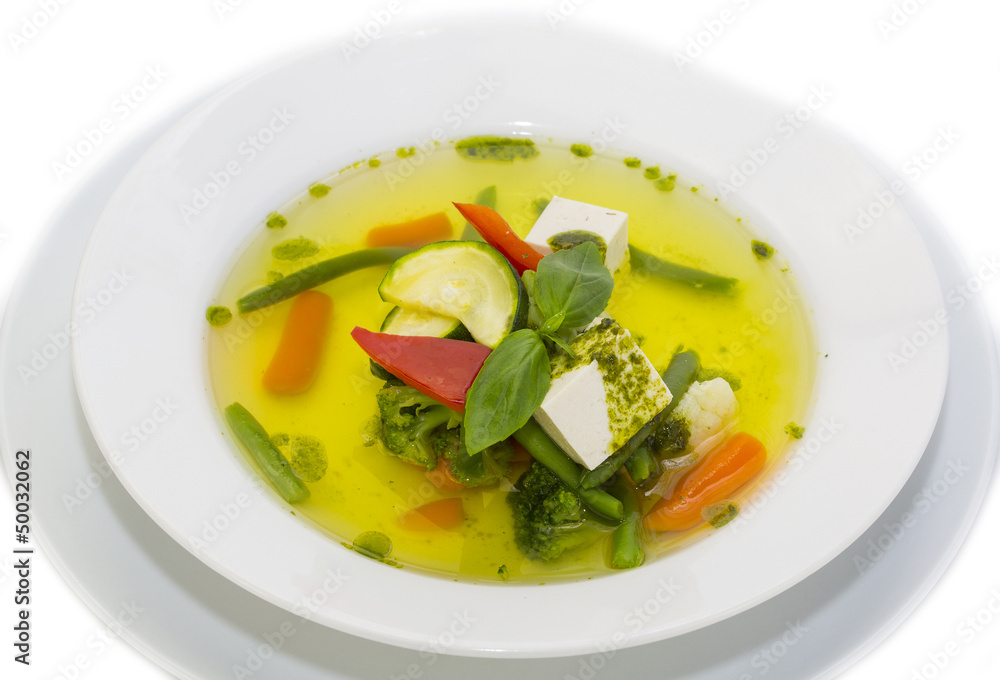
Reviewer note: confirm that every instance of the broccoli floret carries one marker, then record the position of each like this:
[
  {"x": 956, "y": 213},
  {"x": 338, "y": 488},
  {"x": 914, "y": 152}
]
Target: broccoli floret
[
  {"x": 483, "y": 469},
  {"x": 670, "y": 438},
  {"x": 409, "y": 419},
  {"x": 549, "y": 519}
]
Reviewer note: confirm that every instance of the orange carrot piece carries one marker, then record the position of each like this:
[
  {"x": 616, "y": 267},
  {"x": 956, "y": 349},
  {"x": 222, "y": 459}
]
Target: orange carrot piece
[
  {"x": 719, "y": 474},
  {"x": 441, "y": 477},
  {"x": 418, "y": 232},
  {"x": 296, "y": 361},
  {"x": 446, "y": 513}
]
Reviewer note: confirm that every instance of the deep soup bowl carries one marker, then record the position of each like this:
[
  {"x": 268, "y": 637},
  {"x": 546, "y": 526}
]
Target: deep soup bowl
[{"x": 185, "y": 212}]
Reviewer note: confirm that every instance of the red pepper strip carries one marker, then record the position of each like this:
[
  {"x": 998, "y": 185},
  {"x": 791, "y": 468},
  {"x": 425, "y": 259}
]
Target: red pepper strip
[
  {"x": 442, "y": 369},
  {"x": 495, "y": 231}
]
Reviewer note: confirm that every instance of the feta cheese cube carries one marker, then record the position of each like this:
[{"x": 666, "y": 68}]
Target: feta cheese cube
[
  {"x": 564, "y": 215},
  {"x": 602, "y": 396}
]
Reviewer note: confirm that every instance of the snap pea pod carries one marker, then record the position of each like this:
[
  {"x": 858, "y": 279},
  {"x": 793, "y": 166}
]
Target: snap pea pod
[
  {"x": 316, "y": 274},
  {"x": 626, "y": 545},
  {"x": 488, "y": 198},
  {"x": 533, "y": 438},
  {"x": 275, "y": 467},
  {"x": 688, "y": 276}
]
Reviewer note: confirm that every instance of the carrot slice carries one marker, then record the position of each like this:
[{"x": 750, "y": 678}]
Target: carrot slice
[
  {"x": 418, "y": 232},
  {"x": 295, "y": 363},
  {"x": 441, "y": 477},
  {"x": 719, "y": 474},
  {"x": 446, "y": 513}
]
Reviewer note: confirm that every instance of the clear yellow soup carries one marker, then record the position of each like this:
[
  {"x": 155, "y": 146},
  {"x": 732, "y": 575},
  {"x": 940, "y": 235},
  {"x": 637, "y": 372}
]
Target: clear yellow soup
[{"x": 762, "y": 334}]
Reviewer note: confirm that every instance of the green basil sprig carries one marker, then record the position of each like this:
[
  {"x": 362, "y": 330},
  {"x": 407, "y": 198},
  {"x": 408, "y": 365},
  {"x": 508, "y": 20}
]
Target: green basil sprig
[
  {"x": 573, "y": 282},
  {"x": 510, "y": 386},
  {"x": 571, "y": 288}
]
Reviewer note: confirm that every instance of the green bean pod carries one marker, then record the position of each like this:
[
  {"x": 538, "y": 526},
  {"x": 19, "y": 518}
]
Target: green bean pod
[
  {"x": 487, "y": 197},
  {"x": 275, "y": 467},
  {"x": 317, "y": 274},
  {"x": 688, "y": 276},
  {"x": 541, "y": 447},
  {"x": 626, "y": 544}
]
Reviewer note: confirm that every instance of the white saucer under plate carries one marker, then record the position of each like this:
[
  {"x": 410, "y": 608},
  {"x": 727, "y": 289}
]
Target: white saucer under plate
[{"x": 197, "y": 624}]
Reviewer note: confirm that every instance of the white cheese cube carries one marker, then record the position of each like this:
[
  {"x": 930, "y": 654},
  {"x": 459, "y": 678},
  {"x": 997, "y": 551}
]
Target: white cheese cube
[
  {"x": 707, "y": 407},
  {"x": 562, "y": 215},
  {"x": 602, "y": 396}
]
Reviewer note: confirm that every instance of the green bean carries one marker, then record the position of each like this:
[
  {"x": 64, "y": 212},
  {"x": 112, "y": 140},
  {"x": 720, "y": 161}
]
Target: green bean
[
  {"x": 487, "y": 197},
  {"x": 612, "y": 463},
  {"x": 678, "y": 377},
  {"x": 316, "y": 274},
  {"x": 688, "y": 276},
  {"x": 641, "y": 465},
  {"x": 275, "y": 467},
  {"x": 533, "y": 438},
  {"x": 680, "y": 373},
  {"x": 626, "y": 545}
]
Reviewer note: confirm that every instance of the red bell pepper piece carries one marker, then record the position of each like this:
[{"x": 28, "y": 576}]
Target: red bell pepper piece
[
  {"x": 442, "y": 369},
  {"x": 495, "y": 231}
]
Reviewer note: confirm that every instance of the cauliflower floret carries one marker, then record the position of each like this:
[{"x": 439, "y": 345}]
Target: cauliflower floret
[{"x": 707, "y": 407}]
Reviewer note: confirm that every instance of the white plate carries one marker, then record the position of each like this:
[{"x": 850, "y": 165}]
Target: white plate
[
  {"x": 198, "y": 625},
  {"x": 151, "y": 273}
]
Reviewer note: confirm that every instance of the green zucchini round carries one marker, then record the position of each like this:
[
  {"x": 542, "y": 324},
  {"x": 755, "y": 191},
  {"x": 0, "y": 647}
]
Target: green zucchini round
[{"x": 466, "y": 280}]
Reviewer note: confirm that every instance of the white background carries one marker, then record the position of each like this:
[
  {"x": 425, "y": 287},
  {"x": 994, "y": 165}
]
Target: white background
[{"x": 895, "y": 87}]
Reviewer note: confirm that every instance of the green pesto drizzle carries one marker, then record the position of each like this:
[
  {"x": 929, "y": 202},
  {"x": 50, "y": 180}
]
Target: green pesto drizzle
[
  {"x": 295, "y": 249},
  {"x": 489, "y": 148},
  {"x": 218, "y": 315}
]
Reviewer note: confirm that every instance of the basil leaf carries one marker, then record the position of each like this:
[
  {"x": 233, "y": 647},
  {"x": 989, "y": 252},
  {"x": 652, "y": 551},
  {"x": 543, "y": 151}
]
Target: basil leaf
[
  {"x": 574, "y": 282},
  {"x": 510, "y": 386}
]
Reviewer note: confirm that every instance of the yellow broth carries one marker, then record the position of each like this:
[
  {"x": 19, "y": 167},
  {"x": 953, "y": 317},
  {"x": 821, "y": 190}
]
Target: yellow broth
[{"x": 762, "y": 334}]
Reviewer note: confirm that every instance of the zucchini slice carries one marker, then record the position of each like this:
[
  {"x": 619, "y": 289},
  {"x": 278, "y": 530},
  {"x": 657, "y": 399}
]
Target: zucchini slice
[
  {"x": 401, "y": 321},
  {"x": 466, "y": 280}
]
